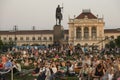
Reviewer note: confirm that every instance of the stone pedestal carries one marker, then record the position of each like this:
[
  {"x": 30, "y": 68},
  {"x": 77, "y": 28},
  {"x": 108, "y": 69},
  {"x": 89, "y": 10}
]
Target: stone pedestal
[{"x": 58, "y": 33}]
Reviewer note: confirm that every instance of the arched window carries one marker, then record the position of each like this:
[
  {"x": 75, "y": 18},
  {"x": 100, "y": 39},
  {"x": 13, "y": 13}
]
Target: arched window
[
  {"x": 10, "y": 38},
  {"x": 4, "y": 38},
  {"x": 86, "y": 33},
  {"x": 45, "y": 38},
  {"x": 78, "y": 33},
  {"x": 21, "y": 38},
  {"x": 33, "y": 38},
  {"x": 39, "y": 38},
  {"x": 50, "y": 38},
  {"x": 27, "y": 38},
  {"x": 94, "y": 32}
]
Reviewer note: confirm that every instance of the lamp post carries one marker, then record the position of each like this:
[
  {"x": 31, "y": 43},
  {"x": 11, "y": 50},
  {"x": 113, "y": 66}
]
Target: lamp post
[
  {"x": 12, "y": 73},
  {"x": 15, "y": 38}
]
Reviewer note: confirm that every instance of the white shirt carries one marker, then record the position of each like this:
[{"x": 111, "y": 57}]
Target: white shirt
[
  {"x": 110, "y": 76},
  {"x": 54, "y": 69},
  {"x": 18, "y": 67}
]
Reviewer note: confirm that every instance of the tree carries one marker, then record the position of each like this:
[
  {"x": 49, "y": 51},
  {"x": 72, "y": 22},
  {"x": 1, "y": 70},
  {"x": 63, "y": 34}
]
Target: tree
[
  {"x": 1, "y": 44},
  {"x": 117, "y": 41},
  {"x": 112, "y": 44},
  {"x": 10, "y": 44},
  {"x": 107, "y": 46}
]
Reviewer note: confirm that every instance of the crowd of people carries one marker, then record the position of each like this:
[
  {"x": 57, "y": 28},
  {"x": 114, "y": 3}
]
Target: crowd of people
[{"x": 57, "y": 62}]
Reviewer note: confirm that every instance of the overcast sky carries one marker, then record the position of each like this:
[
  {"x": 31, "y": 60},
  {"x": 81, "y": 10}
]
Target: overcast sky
[{"x": 41, "y": 13}]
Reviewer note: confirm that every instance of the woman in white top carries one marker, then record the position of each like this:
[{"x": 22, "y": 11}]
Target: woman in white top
[
  {"x": 110, "y": 74},
  {"x": 47, "y": 73},
  {"x": 54, "y": 68}
]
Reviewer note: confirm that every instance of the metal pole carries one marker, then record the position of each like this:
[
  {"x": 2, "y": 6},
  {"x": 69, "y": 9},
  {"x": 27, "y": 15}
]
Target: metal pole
[
  {"x": 15, "y": 29},
  {"x": 12, "y": 73}
]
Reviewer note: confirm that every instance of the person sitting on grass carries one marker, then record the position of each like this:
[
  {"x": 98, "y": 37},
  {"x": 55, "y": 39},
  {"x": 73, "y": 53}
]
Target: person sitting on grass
[
  {"x": 1, "y": 69},
  {"x": 99, "y": 71},
  {"x": 26, "y": 62},
  {"x": 35, "y": 72},
  {"x": 1, "y": 65},
  {"x": 16, "y": 67},
  {"x": 84, "y": 72},
  {"x": 8, "y": 65},
  {"x": 117, "y": 73},
  {"x": 41, "y": 74},
  {"x": 4, "y": 59}
]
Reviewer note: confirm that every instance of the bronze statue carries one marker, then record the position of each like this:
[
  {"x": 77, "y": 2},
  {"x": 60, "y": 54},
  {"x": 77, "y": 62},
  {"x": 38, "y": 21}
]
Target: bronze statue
[{"x": 58, "y": 14}]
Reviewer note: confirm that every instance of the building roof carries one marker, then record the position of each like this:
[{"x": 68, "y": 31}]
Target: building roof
[
  {"x": 24, "y": 32},
  {"x": 86, "y": 14},
  {"x": 112, "y": 30},
  {"x": 29, "y": 32}
]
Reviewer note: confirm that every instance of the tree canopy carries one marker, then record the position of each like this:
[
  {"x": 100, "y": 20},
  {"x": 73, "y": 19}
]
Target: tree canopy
[
  {"x": 117, "y": 41},
  {"x": 1, "y": 44}
]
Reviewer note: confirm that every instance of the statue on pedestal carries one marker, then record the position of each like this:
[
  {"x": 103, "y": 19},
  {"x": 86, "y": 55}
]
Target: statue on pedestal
[{"x": 58, "y": 15}]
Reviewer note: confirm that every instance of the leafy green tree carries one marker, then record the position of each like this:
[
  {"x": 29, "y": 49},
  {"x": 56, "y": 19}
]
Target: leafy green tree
[
  {"x": 112, "y": 44},
  {"x": 107, "y": 45},
  {"x": 11, "y": 43},
  {"x": 117, "y": 41},
  {"x": 1, "y": 44}
]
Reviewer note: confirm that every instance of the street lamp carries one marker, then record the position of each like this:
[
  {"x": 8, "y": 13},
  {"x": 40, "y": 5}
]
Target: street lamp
[{"x": 15, "y": 38}]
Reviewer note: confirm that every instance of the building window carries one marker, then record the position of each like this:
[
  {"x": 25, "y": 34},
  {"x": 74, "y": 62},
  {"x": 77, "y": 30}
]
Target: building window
[
  {"x": 78, "y": 33},
  {"x": 33, "y": 38},
  {"x": 66, "y": 37},
  {"x": 39, "y": 38},
  {"x": 4, "y": 38},
  {"x": 15, "y": 38},
  {"x": 27, "y": 38},
  {"x": 21, "y": 38},
  {"x": 94, "y": 32},
  {"x": 10, "y": 38},
  {"x": 45, "y": 38},
  {"x": 50, "y": 38},
  {"x": 86, "y": 33}
]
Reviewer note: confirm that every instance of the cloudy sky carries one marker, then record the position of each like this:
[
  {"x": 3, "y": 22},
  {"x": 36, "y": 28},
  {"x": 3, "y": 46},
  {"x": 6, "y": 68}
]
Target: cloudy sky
[{"x": 41, "y": 13}]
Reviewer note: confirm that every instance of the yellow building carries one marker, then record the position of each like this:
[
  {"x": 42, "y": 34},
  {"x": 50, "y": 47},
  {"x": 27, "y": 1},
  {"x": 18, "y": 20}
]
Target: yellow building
[
  {"x": 87, "y": 28},
  {"x": 84, "y": 29},
  {"x": 29, "y": 37}
]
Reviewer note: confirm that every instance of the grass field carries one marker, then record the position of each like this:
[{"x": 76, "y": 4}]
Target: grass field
[{"x": 30, "y": 77}]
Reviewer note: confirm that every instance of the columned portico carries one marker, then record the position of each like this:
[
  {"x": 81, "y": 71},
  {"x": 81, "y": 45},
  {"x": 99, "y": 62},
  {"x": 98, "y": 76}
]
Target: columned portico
[
  {"x": 74, "y": 33},
  {"x": 82, "y": 29},
  {"x": 98, "y": 34},
  {"x": 89, "y": 32},
  {"x": 87, "y": 28}
]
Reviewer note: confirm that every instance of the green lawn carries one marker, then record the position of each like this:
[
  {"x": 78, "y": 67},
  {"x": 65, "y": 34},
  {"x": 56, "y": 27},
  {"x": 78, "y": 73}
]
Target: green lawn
[{"x": 30, "y": 77}]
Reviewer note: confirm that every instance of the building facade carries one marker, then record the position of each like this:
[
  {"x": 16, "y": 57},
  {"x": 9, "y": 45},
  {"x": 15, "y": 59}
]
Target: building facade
[
  {"x": 85, "y": 29},
  {"x": 31, "y": 37},
  {"x": 28, "y": 37}
]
